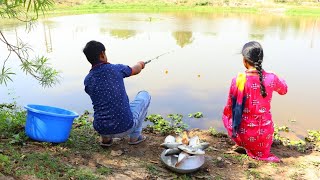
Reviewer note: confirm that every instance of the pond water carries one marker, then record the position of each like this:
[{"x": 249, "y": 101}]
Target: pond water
[{"x": 195, "y": 76}]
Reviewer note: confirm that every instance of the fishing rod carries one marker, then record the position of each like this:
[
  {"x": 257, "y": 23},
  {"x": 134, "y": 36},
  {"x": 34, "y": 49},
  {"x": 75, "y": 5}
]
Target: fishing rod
[{"x": 146, "y": 62}]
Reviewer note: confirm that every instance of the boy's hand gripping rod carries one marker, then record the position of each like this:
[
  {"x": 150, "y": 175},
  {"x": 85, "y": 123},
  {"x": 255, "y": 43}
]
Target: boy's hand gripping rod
[{"x": 146, "y": 62}]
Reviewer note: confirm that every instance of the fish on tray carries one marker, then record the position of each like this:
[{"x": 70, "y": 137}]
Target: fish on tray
[
  {"x": 170, "y": 145},
  {"x": 182, "y": 156},
  {"x": 191, "y": 150},
  {"x": 173, "y": 151},
  {"x": 169, "y": 139}
]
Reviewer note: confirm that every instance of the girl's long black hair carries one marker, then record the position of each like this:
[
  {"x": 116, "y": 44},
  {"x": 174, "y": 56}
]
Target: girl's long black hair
[{"x": 253, "y": 54}]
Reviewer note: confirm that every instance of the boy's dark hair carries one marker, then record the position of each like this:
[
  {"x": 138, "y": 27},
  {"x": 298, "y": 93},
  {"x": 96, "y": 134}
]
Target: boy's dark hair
[
  {"x": 253, "y": 54},
  {"x": 92, "y": 51}
]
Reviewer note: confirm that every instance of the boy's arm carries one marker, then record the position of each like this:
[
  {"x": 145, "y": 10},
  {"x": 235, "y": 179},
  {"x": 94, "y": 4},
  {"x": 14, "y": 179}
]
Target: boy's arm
[{"x": 136, "y": 69}]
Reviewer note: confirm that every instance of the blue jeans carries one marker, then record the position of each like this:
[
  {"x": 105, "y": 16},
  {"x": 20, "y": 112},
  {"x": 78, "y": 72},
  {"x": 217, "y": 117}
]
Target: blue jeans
[{"x": 139, "y": 108}]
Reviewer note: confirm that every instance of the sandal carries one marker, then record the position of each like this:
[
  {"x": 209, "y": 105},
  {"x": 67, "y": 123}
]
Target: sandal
[
  {"x": 108, "y": 144},
  {"x": 138, "y": 141}
]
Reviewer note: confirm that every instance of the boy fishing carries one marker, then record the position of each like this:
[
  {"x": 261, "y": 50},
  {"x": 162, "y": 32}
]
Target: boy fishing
[{"x": 114, "y": 116}]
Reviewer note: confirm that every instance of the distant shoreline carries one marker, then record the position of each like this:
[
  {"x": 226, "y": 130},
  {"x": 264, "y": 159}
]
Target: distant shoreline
[{"x": 310, "y": 9}]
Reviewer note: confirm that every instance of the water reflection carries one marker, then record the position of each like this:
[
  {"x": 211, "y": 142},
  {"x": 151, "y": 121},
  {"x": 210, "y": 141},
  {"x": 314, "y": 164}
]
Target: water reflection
[
  {"x": 200, "y": 69},
  {"x": 122, "y": 33},
  {"x": 47, "y": 38},
  {"x": 257, "y": 36},
  {"x": 183, "y": 38}
]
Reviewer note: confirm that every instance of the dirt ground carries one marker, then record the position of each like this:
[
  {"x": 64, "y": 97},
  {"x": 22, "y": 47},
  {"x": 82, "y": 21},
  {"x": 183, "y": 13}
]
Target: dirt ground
[
  {"x": 221, "y": 161},
  {"x": 143, "y": 161}
]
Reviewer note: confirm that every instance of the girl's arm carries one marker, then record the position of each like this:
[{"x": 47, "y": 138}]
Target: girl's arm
[{"x": 280, "y": 86}]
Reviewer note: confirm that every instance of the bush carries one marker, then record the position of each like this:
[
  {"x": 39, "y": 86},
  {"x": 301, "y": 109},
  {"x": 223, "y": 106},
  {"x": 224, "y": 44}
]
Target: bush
[{"x": 12, "y": 120}]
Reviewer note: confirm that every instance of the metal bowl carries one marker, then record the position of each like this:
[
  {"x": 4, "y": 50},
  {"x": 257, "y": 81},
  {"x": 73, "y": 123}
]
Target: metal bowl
[{"x": 189, "y": 165}]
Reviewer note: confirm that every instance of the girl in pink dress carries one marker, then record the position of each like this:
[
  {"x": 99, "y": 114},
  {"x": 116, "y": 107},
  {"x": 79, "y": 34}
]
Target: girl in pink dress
[{"x": 247, "y": 115}]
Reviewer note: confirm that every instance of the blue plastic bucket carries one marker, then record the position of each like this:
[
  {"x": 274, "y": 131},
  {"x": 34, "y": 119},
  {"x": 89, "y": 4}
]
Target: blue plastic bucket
[{"x": 48, "y": 124}]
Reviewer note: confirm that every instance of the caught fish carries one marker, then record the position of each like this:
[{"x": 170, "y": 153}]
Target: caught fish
[
  {"x": 170, "y": 145},
  {"x": 179, "y": 139},
  {"x": 171, "y": 160},
  {"x": 185, "y": 138},
  {"x": 173, "y": 151},
  {"x": 182, "y": 156},
  {"x": 202, "y": 146},
  {"x": 169, "y": 139},
  {"x": 194, "y": 141},
  {"x": 191, "y": 162},
  {"x": 191, "y": 150}
]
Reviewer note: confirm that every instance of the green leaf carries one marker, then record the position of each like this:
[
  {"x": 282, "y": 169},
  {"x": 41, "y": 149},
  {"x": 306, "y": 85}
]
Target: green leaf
[
  {"x": 196, "y": 115},
  {"x": 5, "y": 75}
]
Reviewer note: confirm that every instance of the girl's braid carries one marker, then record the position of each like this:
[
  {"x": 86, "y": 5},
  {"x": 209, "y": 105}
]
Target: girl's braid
[
  {"x": 253, "y": 54},
  {"x": 258, "y": 66}
]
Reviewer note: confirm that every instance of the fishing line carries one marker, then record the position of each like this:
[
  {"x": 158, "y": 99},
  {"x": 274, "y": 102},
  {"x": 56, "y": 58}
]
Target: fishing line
[{"x": 157, "y": 57}]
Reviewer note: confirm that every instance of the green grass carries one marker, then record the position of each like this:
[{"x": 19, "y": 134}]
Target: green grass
[
  {"x": 104, "y": 171},
  {"x": 304, "y": 11},
  {"x": 20, "y": 156},
  {"x": 162, "y": 6},
  {"x": 252, "y": 174},
  {"x": 46, "y": 164},
  {"x": 152, "y": 169},
  {"x": 145, "y": 7}
]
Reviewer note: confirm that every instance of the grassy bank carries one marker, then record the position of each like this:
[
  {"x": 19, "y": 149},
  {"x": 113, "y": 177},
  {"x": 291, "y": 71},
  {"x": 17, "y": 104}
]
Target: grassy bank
[
  {"x": 81, "y": 157},
  {"x": 93, "y": 8},
  {"x": 82, "y": 7}
]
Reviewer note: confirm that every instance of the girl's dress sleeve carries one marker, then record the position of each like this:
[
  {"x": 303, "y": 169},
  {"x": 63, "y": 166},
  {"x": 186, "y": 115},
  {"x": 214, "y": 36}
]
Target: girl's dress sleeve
[
  {"x": 228, "y": 108},
  {"x": 280, "y": 86}
]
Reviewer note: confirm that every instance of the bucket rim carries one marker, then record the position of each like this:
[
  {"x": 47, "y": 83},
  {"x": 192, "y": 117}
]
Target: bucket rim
[{"x": 73, "y": 115}]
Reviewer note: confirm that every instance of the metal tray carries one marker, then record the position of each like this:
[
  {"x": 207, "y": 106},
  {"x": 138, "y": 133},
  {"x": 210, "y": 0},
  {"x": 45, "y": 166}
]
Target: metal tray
[{"x": 189, "y": 165}]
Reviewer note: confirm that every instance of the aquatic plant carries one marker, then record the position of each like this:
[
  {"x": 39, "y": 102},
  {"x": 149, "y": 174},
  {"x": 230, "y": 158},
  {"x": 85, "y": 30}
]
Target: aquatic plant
[
  {"x": 164, "y": 126},
  {"x": 83, "y": 120},
  {"x": 311, "y": 141},
  {"x": 313, "y": 136},
  {"x": 196, "y": 115}
]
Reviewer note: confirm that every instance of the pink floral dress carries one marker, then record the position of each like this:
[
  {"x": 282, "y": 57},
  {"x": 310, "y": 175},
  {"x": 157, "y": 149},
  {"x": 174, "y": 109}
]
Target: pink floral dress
[{"x": 256, "y": 128}]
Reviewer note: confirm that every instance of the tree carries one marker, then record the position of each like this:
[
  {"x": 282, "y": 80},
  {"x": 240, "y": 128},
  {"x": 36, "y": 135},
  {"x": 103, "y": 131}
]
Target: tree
[{"x": 26, "y": 11}]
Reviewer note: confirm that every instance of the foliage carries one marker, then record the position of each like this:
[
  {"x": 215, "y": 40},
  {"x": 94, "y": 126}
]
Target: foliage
[
  {"x": 21, "y": 8},
  {"x": 81, "y": 139},
  {"x": 19, "y": 138},
  {"x": 12, "y": 121},
  {"x": 152, "y": 169},
  {"x": 42, "y": 165},
  {"x": 82, "y": 174},
  {"x": 175, "y": 125},
  {"x": 82, "y": 120},
  {"x": 313, "y": 136},
  {"x": 299, "y": 145},
  {"x": 4, "y": 162},
  {"x": 253, "y": 174},
  {"x": 47, "y": 164},
  {"x": 38, "y": 67},
  {"x": 196, "y": 115},
  {"x": 215, "y": 133},
  {"x": 104, "y": 170},
  {"x": 212, "y": 131}
]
